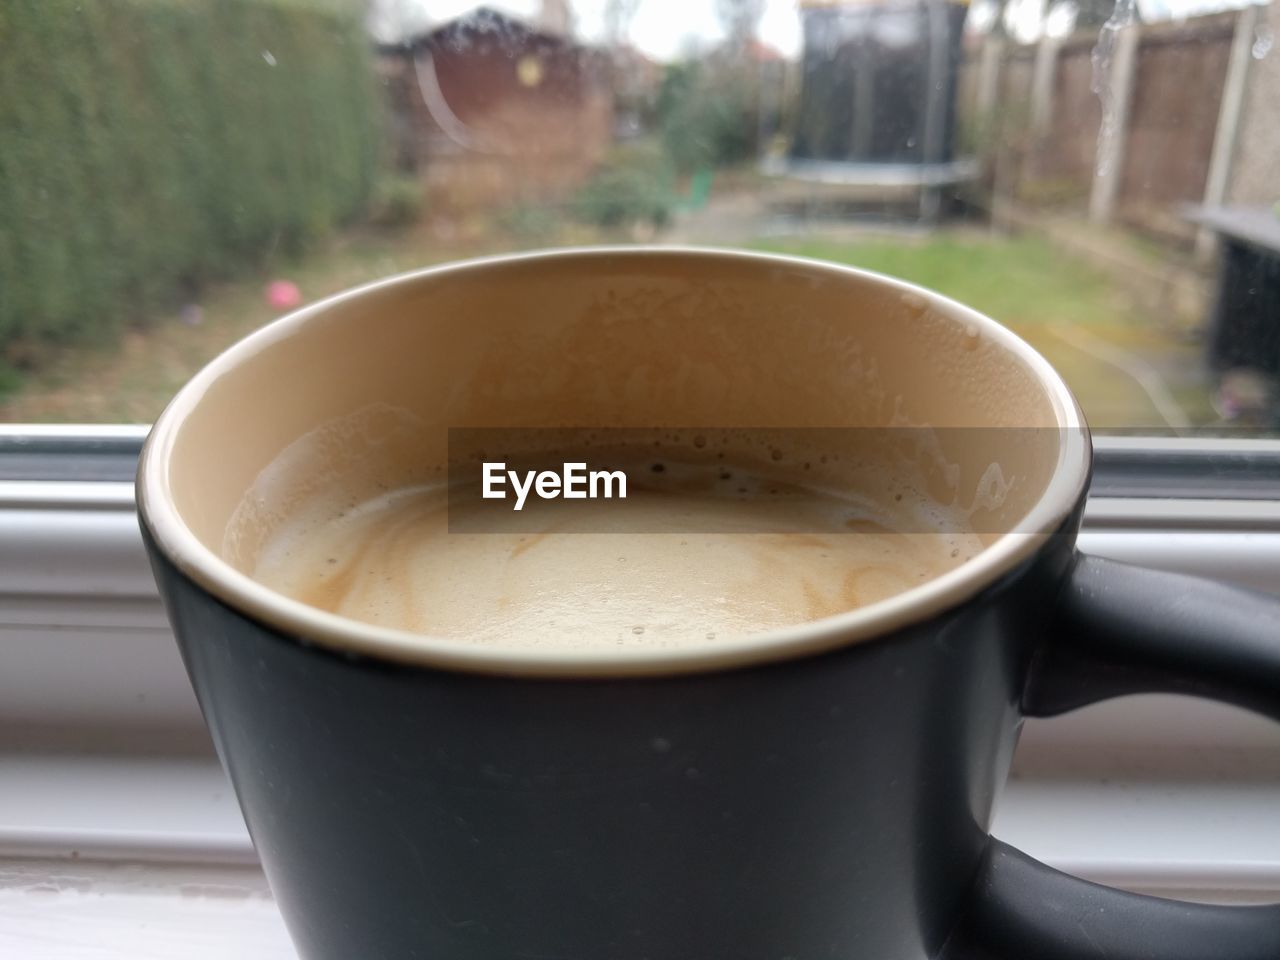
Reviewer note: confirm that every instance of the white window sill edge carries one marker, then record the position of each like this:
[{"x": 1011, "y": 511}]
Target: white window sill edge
[
  {"x": 191, "y": 888},
  {"x": 1218, "y": 835}
]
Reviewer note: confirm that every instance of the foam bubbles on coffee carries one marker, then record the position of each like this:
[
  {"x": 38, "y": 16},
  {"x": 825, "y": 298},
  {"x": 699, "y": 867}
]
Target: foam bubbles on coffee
[{"x": 698, "y": 553}]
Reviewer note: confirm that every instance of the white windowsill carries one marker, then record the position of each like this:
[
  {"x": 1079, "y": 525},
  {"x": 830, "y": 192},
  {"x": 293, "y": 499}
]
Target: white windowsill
[
  {"x": 189, "y": 887},
  {"x": 118, "y": 854}
]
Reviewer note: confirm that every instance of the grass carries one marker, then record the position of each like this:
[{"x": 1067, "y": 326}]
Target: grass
[
  {"x": 1031, "y": 287},
  {"x": 1022, "y": 282}
]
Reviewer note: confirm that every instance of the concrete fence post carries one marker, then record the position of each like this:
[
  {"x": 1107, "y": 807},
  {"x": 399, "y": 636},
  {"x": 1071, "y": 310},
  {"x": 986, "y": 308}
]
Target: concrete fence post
[
  {"x": 1043, "y": 83},
  {"x": 989, "y": 64}
]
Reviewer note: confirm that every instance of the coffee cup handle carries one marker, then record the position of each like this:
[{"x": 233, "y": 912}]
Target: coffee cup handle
[{"x": 1121, "y": 629}]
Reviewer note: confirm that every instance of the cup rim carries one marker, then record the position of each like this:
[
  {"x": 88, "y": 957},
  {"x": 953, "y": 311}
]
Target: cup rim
[{"x": 237, "y": 590}]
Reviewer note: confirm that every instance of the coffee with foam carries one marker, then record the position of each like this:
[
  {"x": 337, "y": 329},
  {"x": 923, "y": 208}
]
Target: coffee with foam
[{"x": 702, "y": 549}]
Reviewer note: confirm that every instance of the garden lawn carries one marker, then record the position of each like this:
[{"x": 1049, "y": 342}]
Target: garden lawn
[{"x": 1068, "y": 310}]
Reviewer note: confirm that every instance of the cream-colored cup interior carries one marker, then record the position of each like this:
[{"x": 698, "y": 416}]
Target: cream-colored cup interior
[{"x": 613, "y": 338}]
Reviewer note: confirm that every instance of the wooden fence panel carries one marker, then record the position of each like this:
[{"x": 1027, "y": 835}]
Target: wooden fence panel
[
  {"x": 1181, "y": 71},
  {"x": 1178, "y": 83},
  {"x": 1069, "y": 149}
]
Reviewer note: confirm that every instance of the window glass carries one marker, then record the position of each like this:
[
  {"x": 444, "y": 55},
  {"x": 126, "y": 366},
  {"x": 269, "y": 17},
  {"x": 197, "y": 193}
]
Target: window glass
[{"x": 1099, "y": 176}]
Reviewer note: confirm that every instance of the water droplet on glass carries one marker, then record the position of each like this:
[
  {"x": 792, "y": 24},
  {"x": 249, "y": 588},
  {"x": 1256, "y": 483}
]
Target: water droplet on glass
[
  {"x": 1263, "y": 39},
  {"x": 1102, "y": 58}
]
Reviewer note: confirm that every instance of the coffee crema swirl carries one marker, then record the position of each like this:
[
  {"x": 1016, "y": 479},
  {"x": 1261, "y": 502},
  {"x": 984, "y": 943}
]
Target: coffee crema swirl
[{"x": 698, "y": 552}]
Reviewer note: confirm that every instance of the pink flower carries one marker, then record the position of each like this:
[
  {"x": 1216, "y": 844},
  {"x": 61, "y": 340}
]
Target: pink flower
[{"x": 283, "y": 294}]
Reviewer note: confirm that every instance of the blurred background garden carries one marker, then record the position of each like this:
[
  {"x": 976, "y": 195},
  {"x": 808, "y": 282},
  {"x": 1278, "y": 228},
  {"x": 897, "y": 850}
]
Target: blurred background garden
[{"x": 175, "y": 174}]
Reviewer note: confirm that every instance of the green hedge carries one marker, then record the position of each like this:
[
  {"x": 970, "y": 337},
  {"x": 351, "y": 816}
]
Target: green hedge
[{"x": 147, "y": 146}]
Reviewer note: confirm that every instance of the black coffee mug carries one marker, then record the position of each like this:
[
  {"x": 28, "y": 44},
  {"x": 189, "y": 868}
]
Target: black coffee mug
[{"x": 822, "y": 792}]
